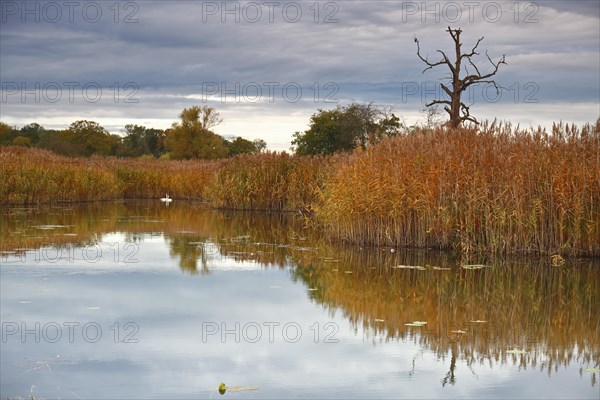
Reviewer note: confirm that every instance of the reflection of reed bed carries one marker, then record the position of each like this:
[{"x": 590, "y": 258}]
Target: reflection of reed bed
[
  {"x": 194, "y": 233},
  {"x": 548, "y": 312},
  {"x": 476, "y": 314}
]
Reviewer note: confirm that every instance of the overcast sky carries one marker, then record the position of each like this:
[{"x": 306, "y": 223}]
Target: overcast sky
[{"x": 266, "y": 66}]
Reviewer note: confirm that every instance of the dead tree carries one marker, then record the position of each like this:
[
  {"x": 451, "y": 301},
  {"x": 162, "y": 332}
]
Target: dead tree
[{"x": 458, "y": 110}]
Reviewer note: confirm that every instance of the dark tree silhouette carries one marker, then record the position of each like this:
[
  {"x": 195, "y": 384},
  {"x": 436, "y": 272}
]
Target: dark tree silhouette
[{"x": 458, "y": 110}]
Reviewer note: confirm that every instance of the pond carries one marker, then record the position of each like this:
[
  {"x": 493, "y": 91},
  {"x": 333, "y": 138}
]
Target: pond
[{"x": 147, "y": 300}]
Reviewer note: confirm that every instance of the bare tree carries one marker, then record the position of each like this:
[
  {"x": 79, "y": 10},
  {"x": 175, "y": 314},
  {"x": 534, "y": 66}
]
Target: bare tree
[{"x": 458, "y": 110}]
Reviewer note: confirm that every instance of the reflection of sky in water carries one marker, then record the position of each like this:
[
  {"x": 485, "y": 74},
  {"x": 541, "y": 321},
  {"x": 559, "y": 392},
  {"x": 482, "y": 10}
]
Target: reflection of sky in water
[{"x": 172, "y": 360}]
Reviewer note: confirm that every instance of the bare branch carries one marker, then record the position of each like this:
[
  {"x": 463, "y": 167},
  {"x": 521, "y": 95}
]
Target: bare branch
[
  {"x": 426, "y": 60},
  {"x": 474, "y": 66},
  {"x": 466, "y": 114},
  {"x": 469, "y": 80},
  {"x": 448, "y": 92},
  {"x": 447, "y": 60},
  {"x": 498, "y": 87},
  {"x": 473, "y": 51},
  {"x": 438, "y": 102},
  {"x": 496, "y": 65},
  {"x": 455, "y": 33}
]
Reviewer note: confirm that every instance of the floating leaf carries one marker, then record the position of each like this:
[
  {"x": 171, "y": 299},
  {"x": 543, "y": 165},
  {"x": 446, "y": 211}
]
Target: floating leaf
[
  {"x": 478, "y": 322},
  {"x": 378, "y": 320},
  {"x": 592, "y": 370},
  {"x": 515, "y": 351},
  {"x": 475, "y": 266},
  {"x": 460, "y": 331},
  {"x": 347, "y": 272},
  {"x": 417, "y": 267},
  {"x": 416, "y": 323},
  {"x": 441, "y": 268},
  {"x": 312, "y": 289},
  {"x": 222, "y": 388}
]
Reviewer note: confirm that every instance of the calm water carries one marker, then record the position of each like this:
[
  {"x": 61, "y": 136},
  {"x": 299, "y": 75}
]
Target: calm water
[{"x": 143, "y": 300}]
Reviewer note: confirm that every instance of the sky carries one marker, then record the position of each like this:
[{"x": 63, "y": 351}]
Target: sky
[{"x": 267, "y": 66}]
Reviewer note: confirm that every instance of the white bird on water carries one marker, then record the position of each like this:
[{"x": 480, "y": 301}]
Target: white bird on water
[{"x": 166, "y": 199}]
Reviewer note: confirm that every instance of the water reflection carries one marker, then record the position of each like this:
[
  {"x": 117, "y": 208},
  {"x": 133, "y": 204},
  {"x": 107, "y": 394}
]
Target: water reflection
[{"x": 519, "y": 312}]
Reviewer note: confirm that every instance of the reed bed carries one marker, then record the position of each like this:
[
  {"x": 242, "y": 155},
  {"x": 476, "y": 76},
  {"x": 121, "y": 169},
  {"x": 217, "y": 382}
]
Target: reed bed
[
  {"x": 268, "y": 181},
  {"x": 495, "y": 189}
]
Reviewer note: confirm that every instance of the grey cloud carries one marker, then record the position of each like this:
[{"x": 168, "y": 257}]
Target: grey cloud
[{"x": 369, "y": 53}]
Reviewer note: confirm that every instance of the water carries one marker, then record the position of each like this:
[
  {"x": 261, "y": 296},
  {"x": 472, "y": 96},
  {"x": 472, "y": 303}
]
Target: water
[{"x": 143, "y": 300}]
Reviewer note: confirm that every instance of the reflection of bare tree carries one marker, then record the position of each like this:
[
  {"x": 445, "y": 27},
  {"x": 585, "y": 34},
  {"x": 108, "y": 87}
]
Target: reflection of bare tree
[{"x": 450, "y": 377}]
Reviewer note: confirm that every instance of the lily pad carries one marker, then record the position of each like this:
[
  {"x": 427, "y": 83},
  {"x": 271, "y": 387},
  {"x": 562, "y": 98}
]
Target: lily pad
[
  {"x": 417, "y": 267},
  {"x": 592, "y": 370},
  {"x": 515, "y": 351},
  {"x": 416, "y": 323},
  {"x": 475, "y": 266}
]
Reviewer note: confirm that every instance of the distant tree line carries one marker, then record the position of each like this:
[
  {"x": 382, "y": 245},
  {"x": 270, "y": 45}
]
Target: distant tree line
[
  {"x": 190, "y": 138},
  {"x": 344, "y": 128}
]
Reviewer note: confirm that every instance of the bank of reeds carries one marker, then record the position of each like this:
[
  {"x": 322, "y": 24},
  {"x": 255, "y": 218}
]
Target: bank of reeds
[
  {"x": 496, "y": 189},
  {"x": 268, "y": 181}
]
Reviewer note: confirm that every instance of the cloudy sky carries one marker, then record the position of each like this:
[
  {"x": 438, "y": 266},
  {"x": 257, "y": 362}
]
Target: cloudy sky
[{"x": 266, "y": 66}]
